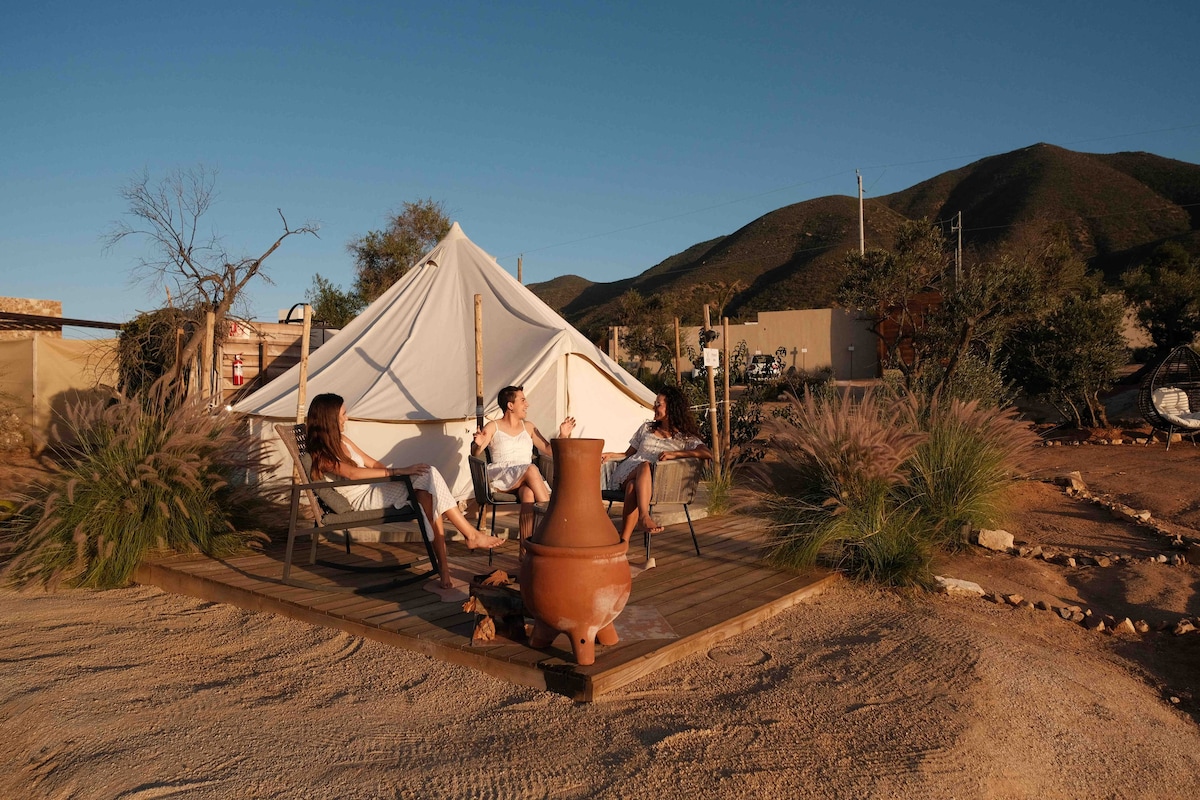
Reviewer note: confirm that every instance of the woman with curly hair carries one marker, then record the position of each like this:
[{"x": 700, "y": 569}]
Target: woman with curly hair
[
  {"x": 673, "y": 433},
  {"x": 334, "y": 456}
]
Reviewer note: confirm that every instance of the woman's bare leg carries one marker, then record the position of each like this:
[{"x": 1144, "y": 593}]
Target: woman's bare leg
[
  {"x": 530, "y": 488},
  {"x": 629, "y": 516},
  {"x": 643, "y": 486},
  {"x": 425, "y": 500},
  {"x": 475, "y": 538},
  {"x": 527, "y": 497}
]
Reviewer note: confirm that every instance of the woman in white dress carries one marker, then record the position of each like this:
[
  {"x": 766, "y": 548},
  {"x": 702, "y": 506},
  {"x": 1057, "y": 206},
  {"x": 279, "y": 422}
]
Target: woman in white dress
[
  {"x": 673, "y": 433},
  {"x": 334, "y": 456},
  {"x": 512, "y": 439}
]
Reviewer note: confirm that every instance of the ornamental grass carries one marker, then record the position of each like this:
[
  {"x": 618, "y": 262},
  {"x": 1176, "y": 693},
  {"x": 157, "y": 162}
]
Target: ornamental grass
[
  {"x": 874, "y": 486},
  {"x": 960, "y": 473},
  {"x": 146, "y": 474}
]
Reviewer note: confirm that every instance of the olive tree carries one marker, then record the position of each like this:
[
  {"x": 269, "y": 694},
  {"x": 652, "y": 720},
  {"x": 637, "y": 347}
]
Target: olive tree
[
  {"x": 383, "y": 257},
  {"x": 1072, "y": 354},
  {"x": 1166, "y": 293},
  {"x": 331, "y": 304},
  {"x": 932, "y": 317}
]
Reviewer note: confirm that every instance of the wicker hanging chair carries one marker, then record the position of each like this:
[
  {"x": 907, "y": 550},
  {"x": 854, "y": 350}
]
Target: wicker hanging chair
[{"x": 1169, "y": 397}]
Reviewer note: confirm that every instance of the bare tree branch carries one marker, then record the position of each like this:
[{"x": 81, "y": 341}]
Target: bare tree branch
[{"x": 168, "y": 217}]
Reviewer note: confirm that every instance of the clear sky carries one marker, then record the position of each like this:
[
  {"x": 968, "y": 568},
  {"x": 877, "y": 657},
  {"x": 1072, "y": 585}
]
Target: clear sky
[{"x": 595, "y": 138}]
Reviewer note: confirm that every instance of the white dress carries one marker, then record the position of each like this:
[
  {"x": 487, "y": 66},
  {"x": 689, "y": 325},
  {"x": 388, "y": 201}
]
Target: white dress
[
  {"x": 395, "y": 494},
  {"x": 511, "y": 457},
  {"x": 649, "y": 447}
]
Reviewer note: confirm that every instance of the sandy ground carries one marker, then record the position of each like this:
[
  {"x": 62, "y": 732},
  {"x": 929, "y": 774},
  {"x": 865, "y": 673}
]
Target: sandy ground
[{"x": 859, "y": 693}]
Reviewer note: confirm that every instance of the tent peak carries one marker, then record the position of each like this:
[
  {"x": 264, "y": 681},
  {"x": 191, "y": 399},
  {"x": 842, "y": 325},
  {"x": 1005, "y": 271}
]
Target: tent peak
[{"x": 455, "y": 232}]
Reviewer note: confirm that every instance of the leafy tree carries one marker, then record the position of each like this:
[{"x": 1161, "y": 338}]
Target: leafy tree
[
  {"x": 169, "y": 215},
  {"x": 147, "y": 348},
  {"x": 719, "y": 295},
  {"x": 649, "y": 326},
  {"x": 332, "y": 305},
  {"x": 1166, "y": 292},
  {"x": 894, "y": 288},
  {"x": 932, "y": 319},
  {"x": 1072, "y": 355},
  {"x": 383, "y": 257}
]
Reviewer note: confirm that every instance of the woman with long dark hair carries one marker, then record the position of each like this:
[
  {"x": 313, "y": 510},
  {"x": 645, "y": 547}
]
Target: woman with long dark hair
[
  {"x": 335, "y": 456},
  {"x": 673, "y": 433}
]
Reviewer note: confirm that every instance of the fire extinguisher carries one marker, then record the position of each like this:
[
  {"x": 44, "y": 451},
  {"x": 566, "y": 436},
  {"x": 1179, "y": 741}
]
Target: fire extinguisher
[{"x": 238, "y": 378}]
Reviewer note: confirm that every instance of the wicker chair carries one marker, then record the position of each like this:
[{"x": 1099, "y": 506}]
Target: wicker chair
[
  {"x": 1169, "y": 397},
  {"x": 333, "y": 513},
  {"x": 675, "y": 483}
]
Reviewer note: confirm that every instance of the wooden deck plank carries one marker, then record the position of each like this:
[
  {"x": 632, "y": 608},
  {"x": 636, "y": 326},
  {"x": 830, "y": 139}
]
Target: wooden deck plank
[{"x": 705, "y": 599}]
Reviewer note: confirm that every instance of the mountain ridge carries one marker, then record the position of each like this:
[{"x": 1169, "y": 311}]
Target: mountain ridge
[{"x": 1115, "y": 208}]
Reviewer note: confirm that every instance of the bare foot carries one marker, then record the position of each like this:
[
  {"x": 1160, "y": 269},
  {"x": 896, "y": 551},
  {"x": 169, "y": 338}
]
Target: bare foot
[
  {"x": 651, "y": 527},
  {"x": 482, "y": 541},
  {"x": 446, "y": 582}
]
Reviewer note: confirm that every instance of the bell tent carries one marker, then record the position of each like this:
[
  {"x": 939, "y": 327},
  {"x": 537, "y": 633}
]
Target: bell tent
[{"x": 406, "y": 367}]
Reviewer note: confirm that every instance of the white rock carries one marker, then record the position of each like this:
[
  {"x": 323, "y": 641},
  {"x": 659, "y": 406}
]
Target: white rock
[
  {"x": 956, "y": 587},
  {"x": 999, "y": 541}
]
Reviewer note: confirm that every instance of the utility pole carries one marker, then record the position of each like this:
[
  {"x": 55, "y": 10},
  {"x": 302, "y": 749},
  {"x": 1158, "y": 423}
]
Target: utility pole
[
  {"x": 678, "y": 374},
  {"x": 957, "y": 226},
  {"x": 862, "y": 219}
]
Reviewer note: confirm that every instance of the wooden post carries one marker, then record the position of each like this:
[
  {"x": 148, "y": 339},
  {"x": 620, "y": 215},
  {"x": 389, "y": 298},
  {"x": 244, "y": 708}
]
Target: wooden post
[
  {"x": 219, "y": 376},
  {"x": 520, "y": 277},
  {"x": 725, "y": 349},
  {"x": 678, "y": 372},
  {"x": 302, "y": 394},
  {"x": 712, "y": 404},
  {"x": 206, "y": 355},
  {"x": 479, "y": 361}
]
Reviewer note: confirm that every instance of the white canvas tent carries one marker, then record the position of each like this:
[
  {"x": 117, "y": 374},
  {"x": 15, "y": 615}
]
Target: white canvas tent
[{"x": 406, "y": 367}]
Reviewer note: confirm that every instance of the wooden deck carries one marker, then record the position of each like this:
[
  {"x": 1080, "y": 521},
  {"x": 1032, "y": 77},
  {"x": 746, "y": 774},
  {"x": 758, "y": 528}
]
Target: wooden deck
[{"x": 683, "y": 606}]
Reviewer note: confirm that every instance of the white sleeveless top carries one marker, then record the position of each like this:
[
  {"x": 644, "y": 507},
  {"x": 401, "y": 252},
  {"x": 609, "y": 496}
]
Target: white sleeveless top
[
  {"x": 509, "y": 450},
  {"x": 511, "y": 457}
]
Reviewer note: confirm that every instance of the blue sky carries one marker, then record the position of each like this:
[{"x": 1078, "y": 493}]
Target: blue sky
[{"x": 596, "y": 139}]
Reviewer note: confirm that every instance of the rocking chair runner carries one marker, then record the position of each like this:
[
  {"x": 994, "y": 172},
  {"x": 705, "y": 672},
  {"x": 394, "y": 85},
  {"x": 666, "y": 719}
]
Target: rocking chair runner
[
  {"x": 1169, "y": 398},
  {"x": 333, "y": 513}
]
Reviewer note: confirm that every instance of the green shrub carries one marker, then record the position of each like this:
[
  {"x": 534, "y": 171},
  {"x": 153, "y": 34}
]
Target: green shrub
[
  {"x": 874, "y": 487},
  {"x": 147, "y": 474}
]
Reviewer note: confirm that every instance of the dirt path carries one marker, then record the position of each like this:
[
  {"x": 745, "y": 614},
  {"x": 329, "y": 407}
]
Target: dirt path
[{"x": 137, "y": 694}]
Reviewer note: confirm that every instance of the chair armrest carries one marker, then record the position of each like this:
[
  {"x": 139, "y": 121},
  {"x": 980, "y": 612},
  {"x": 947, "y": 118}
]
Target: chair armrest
[{"x": 606, "y": 471}]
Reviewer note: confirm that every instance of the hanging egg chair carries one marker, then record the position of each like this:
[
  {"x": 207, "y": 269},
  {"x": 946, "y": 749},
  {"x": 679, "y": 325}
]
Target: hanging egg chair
[{"x": 1169, "y": 397}]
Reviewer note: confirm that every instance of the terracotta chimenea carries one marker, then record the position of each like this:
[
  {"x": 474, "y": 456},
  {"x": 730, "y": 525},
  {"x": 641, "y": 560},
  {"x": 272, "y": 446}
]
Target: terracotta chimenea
[{"x": 574, "y": 574}]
